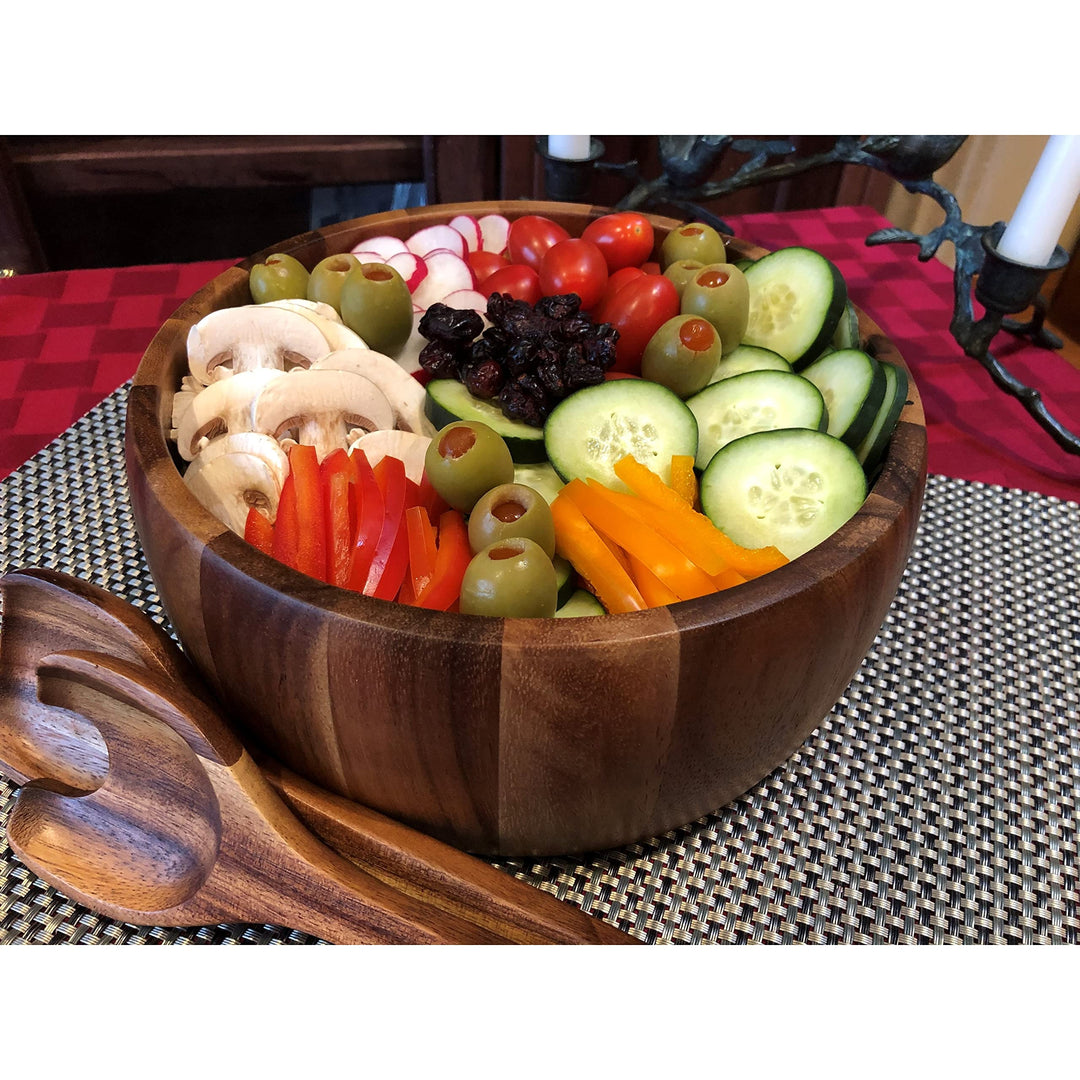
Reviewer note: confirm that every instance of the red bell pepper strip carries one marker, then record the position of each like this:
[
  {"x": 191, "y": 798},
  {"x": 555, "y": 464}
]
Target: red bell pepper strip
[
  {"x": 422, "y": 548},
  {"x": 259, "y": 531},
  {"x": 368, "y": 500},
  {"x": 452, "y": 558},
  {"x": 431, "y": 500},
  {"x": 336, "y": 473},
  {"x": 391, "y": 556},
  {"x": 311, "y": 518},
  {"x": 286, "y": 524}
]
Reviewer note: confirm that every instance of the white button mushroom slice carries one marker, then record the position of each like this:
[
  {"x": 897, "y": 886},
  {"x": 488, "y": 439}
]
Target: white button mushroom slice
[
  {"x": 407, "y": 446},
  {"x": 253, "y": 336},
  {"x": 234, "y": 473},
  {"x": 324, "y": 409},
  {"x": 405, "y": 394},
  {"x": 225, "y": 407},
  {"x": 327, "y": 319}
]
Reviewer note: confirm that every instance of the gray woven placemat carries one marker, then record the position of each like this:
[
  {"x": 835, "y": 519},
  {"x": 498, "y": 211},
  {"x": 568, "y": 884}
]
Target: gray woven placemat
[{"x": 936, "y": 803}]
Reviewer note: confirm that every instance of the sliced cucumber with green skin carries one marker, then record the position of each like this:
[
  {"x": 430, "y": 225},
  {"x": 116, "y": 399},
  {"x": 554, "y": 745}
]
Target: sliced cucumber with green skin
[
  {"x": 541, "y": 477},
  {"x": 581, "y": 603},
  {"x": 748, "y": 358},
  {"x": 448, "y": 400},
  {"x": 565, "y": 578},
  {"x": 847, "y": 330},
  {"x": 591, "y": 429},
  {"x": 853, "y": 386},
  {"x": 754, "y": 401},
  {"x": 797, "y": 299},
  {"x": 872, "y": 449},
  {"x": 790, "y": 489}
]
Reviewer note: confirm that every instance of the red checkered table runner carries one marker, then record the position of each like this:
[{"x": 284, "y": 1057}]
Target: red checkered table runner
[{"x": 69, "y": 339}]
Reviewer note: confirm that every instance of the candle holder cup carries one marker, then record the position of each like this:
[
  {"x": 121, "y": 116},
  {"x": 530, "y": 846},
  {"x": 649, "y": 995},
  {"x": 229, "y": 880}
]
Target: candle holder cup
[
  {"x": 1006, "y": 286},
  {"x": 567, "y": 180}
]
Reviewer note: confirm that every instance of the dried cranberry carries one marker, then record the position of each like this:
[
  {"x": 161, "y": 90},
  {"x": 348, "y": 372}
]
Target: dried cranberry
[{"x": 484, "y": 380}]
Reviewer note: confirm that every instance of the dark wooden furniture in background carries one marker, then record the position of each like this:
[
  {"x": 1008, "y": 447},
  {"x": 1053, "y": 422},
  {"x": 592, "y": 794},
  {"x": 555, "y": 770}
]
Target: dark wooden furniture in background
[{"x": 71, "y": 202}]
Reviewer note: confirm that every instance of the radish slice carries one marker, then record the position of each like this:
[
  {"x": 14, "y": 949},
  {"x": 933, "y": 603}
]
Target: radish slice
[
  {"x": 469, "y": 227},
  {"x": 466, "y": 300},
  {"x": 381, "y": 245},
  {"x": 447, "y": 273},
  {"x": 493, "y": 230},
  {"x": 372, "y": 256},
  {"x": 436, "y": 236},
  {"x": 411, "y": 267}
]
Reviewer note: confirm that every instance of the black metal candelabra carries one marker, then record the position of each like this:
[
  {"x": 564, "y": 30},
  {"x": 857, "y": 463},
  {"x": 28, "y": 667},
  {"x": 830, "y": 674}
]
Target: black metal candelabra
[{"x": 1001, "y": 286}]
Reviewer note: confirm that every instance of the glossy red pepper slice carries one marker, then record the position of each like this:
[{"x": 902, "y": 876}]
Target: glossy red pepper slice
[
  {"x": 391, "y": 557},
  {"x": 311, "y": 517},
  {"x": 259, "y": 531},
  {"x": 422, "y": 549},
  {"x": 336, "y": 476},
  {"x": 368, "y": 502},
  {"x": 286, "y": 524},
  {"x": 451, "y": 560}
]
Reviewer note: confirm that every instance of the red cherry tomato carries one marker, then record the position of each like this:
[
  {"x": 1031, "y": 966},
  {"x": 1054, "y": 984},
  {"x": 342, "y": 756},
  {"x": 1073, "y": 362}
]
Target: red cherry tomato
[
  {"x": 617, "y": 280},
  {"x": 530, "y": 236},
  {"x": 624, "y": 238},
  {"x": 520, "y": 282},
  {"x": 484, "y": 263},
  {"x": 609, "y": 375},
  {"x": 637, "y": 311},
  {"x": 651, "y": 268},
  {"x": 574, "y": 266}
]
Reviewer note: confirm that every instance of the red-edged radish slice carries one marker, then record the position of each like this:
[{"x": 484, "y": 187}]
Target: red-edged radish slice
[
  {"x": 466, "y": 300},
  {"x": 381, "y": 245},
  {"x": 469, "y": 227},
  {"x": 433, "y": 237},
  {"x": 411, "y": 267},
  {"x": 493, "y": 230},
  {"x": 447, "y": 273},
  {"x": 372, "y": 256}
]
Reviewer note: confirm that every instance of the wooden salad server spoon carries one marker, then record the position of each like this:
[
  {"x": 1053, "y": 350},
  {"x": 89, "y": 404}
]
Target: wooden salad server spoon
[{"x": 139, "y": 802}]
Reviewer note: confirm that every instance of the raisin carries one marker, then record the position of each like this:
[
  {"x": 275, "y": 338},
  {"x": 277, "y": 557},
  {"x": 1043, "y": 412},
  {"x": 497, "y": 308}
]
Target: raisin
[
  {"x": 559, "y": 307},
  {"x": 484, "y": 380},
  {"x": 439, "y": 360},
  {"x": 453, "y": 326}
]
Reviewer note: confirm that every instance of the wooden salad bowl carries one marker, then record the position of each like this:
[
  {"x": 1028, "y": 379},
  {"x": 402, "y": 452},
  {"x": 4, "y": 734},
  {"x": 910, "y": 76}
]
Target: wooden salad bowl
[{"x": 513, "y": 736}]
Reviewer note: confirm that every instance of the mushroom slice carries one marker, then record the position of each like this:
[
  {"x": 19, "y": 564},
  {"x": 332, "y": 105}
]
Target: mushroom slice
[
  {"x": 407, "y": 446},
  {"x": 327, "y": 319},
  {"x": 232, "y": 340},
  {"x": 234, "y": 473},
  {"x": 324, "y": 409},
  {"x": 225, "y": 407},
  {"x": 405, "y": 394}
]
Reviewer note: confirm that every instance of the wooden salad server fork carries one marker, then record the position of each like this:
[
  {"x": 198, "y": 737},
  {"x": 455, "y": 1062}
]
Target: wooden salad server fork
[{"x": 139, "y": 802}]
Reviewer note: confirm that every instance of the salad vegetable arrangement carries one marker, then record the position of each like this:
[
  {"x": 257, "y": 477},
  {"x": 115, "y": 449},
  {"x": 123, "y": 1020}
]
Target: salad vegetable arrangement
[{"x": 495, "y": 417}]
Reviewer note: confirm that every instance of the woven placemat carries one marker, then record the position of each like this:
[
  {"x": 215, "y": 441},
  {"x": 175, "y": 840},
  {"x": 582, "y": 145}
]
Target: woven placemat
[{"x": 936, "y": 803}]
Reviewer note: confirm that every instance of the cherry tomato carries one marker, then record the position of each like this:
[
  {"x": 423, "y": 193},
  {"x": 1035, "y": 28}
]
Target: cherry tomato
[
  {"x": 574, "y": 266},
  {"x": 530, "y": 236},
  {"x": 637, "y": 311},
  {"x": 651, "y": 267},
  {"x": 609, "y": 375},
  {"x": 624, "y": 238},
  {"x": 617, "y": 280},
  {"x": 484, "y": 263},
  {"x": 520, "y": 282}
]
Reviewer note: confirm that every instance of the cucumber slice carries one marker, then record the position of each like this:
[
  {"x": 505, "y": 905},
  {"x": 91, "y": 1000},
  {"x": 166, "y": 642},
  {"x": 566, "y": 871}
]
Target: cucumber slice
[
  {"x": 581, "y": 603},
  {"x": 565, "y": 578},
  {"x": 754, "y": 401},
  {"x": 748, "y": 358},
  {"x": 448, "y": 400},
  {"x": 872, "y": 449},
  {"x": 587, "y": 432},
  {"x": 797, "y": 298},
  {"x": 847, "y": 330},
  {"x": 790, "y": 489},
  {"x": 853, "y": 385},
  {"x": 540, "y": 477}
]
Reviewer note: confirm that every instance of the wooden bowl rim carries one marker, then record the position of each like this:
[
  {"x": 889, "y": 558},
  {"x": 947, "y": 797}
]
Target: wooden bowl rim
[{"x": 903, "y": 479}]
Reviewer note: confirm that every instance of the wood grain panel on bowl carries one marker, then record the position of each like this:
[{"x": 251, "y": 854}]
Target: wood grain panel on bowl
[{"x": 513, "y": 737}]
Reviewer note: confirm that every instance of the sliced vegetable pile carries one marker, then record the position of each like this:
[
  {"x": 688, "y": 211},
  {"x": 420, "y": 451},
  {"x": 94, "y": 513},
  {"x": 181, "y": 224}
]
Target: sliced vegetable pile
[{"x": 599, "y": 431}]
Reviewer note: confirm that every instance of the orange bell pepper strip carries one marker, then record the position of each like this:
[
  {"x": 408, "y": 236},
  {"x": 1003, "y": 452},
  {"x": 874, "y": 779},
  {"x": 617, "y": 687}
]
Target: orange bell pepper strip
[
  {"x": 656, "y": 593},
  {"x": 286, "y": 524},
  {"x": 452, "y": 559},
  {"x": 310, "y": 516},
  {"x": 750, "y": 562},
  {"x": 578, "y": 542},
  {"x": 422, "y": 548},
  {"x": 368, "y": 500},
  {"x": 639, "y": 540},
  {"x": 259, "y": 531},
  {"x": 336, "y": 474},
  {"x": 683, "y": 478}
]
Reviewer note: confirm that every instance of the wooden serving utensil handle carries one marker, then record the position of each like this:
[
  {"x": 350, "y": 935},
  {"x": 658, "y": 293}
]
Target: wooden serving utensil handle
[{"x": 99, "y": 702}]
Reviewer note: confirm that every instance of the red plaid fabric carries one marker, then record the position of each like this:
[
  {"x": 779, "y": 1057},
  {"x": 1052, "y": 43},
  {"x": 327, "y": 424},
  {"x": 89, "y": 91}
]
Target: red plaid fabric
[{"x": 68, "y": 340}]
